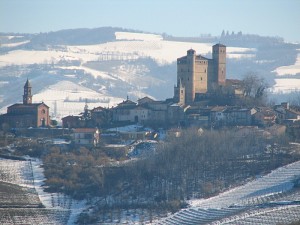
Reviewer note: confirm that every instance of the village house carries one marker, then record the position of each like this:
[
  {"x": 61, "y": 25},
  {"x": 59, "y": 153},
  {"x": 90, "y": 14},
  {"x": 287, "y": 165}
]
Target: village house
[
  {"x": 235, "y": 87},
  {"x": 148, "y": 111},
  {"x": 264, "y": 116},
  {"x": 70, "y": 121},
  {"x": 101, "y": 117},
  {"x": 237, "y": 116},
  {"x": 286, "y": 114},
  {"x": 129, "y": 111},
  {"x": 217, "y": 116},
  {"x": 231, "y": 116},
  {"x": 198, "y": 116},
  {"x": 175, "y": 114},
  {"x": 86, "y": 136}
]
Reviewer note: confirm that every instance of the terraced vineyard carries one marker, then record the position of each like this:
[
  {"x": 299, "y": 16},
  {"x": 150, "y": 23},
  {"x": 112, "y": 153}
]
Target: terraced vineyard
[
  {"x": 20, "y": 202},
  {"x": 13, "y": 195},
  {"x": 271, "y": 199},
  {"x": 33, "y": 216}
]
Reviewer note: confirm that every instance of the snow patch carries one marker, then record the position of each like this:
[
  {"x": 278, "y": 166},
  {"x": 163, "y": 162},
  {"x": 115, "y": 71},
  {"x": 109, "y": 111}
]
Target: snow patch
[
  {"x": 14, "y": 44},
  {"x": 94, "y": 73},
  {"x": 291, "y": 69},
  {"x": 286, "y": 85},
  {"x": 137, "y": 36}
]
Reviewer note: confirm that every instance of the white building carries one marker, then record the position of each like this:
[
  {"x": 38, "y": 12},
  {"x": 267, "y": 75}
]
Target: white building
[{"x": 86, "y": 136}]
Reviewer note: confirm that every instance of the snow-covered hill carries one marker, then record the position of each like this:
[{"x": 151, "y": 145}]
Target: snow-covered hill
[
  {"x": 290, "y": 69},
  {"x": 67, "y": 98},
  {"x": 141, "y": 45},
  {"x": 129, "y": 63}
]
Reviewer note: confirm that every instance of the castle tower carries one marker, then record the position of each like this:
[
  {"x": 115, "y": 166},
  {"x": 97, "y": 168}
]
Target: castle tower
[
  {"x": 179, "y": 94},
  {"x": 197, "y": 75},
  {"x": 219, "y": 64},
  {"x": 27, "y": 97}
]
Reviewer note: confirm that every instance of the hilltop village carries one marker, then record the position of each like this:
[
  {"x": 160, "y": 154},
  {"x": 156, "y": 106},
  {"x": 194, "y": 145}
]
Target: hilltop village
[
  {"x": 142, "y": 161},
  {"x": 203, "y": 98}
]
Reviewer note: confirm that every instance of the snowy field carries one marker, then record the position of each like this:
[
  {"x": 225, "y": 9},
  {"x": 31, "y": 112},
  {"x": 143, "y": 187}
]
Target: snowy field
[
  {"x": 127, "y": 46},
  {"x": 134, "y": 43},
  {"x": 291, "y": 69},
  {"x": 68, "y": 98},
  {"x": 266, "y": 200},
  {"x": 286, "y": 85}
]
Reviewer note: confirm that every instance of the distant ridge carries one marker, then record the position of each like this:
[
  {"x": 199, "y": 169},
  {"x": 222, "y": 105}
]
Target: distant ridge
[{"x": 81, "y": 36}]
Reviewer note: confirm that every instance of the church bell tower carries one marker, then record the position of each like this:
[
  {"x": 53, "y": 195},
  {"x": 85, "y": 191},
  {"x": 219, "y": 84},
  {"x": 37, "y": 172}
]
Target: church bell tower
[{"x": 27, "y": 97}]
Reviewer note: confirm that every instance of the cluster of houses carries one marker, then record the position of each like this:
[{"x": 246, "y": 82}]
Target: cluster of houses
[
  {"x": 166, "y": 114},
  {"x": 198, "y": 78},
  {"x": 84, "y": 129}
]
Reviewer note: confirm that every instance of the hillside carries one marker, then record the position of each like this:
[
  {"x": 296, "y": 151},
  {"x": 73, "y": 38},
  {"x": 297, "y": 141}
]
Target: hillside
[{"x": 114, "y": 63}]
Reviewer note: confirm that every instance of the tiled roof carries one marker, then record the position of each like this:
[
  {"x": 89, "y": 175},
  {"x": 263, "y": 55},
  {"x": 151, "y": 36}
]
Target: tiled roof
[
  {"x": 33, "y": 105},
  {"x": 84, "y": 130}
]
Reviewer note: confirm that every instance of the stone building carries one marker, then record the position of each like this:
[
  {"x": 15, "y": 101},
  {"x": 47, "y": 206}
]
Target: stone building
[
  {"x": 86, "y": 136},
  {"x": 148, "y": 111},
  {"x": 197, "y": 75},
  {"x": 26, "y": 114}
]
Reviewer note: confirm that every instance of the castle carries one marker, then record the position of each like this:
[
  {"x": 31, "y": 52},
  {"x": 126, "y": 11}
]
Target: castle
[{"x": 197, "y": 75}]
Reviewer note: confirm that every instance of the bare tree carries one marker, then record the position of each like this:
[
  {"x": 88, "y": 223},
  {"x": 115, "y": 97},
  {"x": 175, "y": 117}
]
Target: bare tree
[{"x": 254, "y": 87}]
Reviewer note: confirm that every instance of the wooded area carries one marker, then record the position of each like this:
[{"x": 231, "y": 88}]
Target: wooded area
[{"x": 196, "y": 164}]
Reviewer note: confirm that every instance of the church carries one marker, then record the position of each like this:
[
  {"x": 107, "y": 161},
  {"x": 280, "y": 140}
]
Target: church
[
  {"x": 197, "y": 75},
  {"x": 26, "y": 114}
]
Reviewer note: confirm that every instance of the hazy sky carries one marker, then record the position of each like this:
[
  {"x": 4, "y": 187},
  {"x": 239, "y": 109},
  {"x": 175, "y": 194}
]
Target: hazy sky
[{"x": 175, "y": 17}]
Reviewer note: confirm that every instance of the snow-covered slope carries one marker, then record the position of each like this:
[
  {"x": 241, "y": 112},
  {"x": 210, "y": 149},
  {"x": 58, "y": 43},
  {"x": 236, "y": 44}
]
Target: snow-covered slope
[
  {"x": 134, "y": 64},
  {"x": 67, "y": 98},
  {"x": 291, "y": 69},
  {"x": 286, "y": 85},
  {"x": 29, "y": 175},
  {"x": 257, "y": 202},
  {"x": 143, "y": 45}
]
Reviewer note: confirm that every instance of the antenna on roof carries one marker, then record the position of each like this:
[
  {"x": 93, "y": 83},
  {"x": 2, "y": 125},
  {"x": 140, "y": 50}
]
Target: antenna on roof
[{"x": 127, "y": 97}]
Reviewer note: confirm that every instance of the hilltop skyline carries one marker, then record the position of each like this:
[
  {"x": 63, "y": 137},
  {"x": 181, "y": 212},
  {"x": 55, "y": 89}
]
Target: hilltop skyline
[{"x": 177, "y": 18}]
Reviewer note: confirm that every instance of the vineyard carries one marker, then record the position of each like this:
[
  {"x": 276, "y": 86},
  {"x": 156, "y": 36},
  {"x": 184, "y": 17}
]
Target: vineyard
[
  {"x": 23, "y": 200},
  {"x": 270, "y": 199}
]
